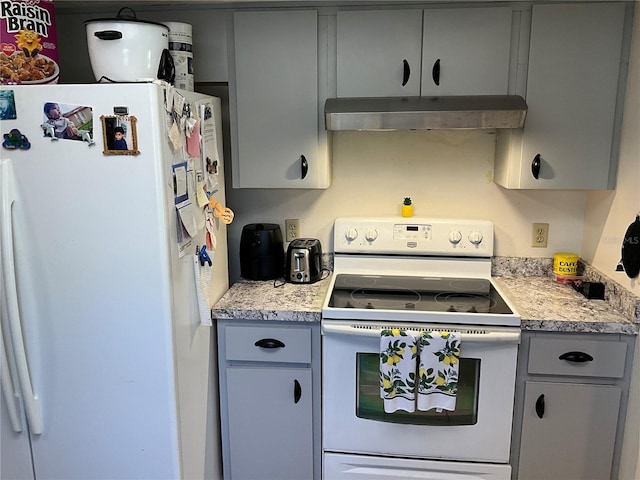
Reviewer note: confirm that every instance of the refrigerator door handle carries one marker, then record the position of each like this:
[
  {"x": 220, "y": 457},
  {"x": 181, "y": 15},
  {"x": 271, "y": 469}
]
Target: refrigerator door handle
[
  {"x": 8, "y": 392},
  {"x": 31, "y": 402},
  {"x": 10, "y": 395}
]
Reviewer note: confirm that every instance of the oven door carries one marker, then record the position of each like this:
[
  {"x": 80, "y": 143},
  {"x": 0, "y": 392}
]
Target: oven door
[{"x": 479, "y": 430}]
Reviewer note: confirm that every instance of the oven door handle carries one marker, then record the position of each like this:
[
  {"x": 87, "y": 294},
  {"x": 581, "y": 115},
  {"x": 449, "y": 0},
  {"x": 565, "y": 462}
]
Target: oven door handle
[{"x": 374, "y": 331}]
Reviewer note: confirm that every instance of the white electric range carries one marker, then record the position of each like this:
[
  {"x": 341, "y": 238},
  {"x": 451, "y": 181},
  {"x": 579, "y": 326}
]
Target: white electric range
[{"x": 416, "y": 274}]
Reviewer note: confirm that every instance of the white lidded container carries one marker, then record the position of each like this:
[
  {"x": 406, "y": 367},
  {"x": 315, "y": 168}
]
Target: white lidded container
[
  {"x": 181, "y": 50},
  {"x": 125, "y": 49}
]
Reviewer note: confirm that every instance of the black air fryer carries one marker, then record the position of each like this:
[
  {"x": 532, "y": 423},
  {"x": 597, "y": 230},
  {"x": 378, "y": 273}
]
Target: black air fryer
[{"x": 261, "y": 251}]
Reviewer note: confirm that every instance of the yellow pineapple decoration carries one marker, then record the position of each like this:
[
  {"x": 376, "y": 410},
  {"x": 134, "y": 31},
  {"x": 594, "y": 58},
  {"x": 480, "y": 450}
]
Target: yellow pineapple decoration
[{"x": 407, "y": 208}]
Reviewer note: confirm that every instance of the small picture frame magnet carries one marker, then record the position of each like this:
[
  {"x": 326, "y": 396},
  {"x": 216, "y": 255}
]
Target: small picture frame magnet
[
  {"x": 7, "y": 105},
  {"x": 119, "y": 135}
]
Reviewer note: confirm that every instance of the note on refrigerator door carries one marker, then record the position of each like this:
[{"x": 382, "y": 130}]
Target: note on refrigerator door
[
  {"x": 180, "y": 189},
  {"x": 209, "y": 144},
  {"x": 187, "y": 225},
  {"x": 193, "y": 142},
  {"x": 175, "y": 136},
  {"x": 201, "y": 194}
]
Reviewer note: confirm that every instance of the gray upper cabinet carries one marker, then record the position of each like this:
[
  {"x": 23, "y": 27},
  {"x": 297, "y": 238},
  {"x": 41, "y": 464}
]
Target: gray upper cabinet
[
  {"x": 572, "y": 90},
  {"x": 273, "y": 97},
  {"x": 378, "y": 53},
  {"x": 466, "y": 51},
  {"x": 457, "y": 51}
]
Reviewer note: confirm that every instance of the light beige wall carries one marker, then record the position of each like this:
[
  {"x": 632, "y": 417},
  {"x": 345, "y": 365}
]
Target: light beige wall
[
  {"x": 446, "y": 173},
  {"x": 607, "y": 216}
]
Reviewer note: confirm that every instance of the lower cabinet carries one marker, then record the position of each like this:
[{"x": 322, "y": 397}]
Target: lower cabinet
[
  {"x": 570, "y": 405},
  {"x": 568, "y": 431},
  {"x": 269, "y": 400}
]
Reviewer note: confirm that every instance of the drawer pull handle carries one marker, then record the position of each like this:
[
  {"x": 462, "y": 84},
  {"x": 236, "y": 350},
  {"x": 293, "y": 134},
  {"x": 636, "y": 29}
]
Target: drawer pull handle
[
  {"x": 269, "y": 343},
  {"x": 540, "y": 406},
  {"x": 297, "y": 391},
  {"x": 577, "y": 357}
]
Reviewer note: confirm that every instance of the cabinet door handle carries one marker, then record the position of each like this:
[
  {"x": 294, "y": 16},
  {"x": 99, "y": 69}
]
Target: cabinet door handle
[
  {"x": 535, "y": 166},
  {"x": 406, "y": 72},
  {"x": 304, "y": 166},
  {"x": 269, "y": 343},
  {"x": 435, "y": 72},
  {"x": 577, "y": 357},
  {"x": 540, "y": 406},
  {"x": 297, "y": 391}
]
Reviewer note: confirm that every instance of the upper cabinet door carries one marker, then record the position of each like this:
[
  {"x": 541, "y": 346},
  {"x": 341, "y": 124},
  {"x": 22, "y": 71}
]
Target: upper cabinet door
[
  {"x": 274, "y": 101},
  {"x": 466, "y": 51},
  {"x": 378, "y": 53},
  {"x": 574, "y": 65}
]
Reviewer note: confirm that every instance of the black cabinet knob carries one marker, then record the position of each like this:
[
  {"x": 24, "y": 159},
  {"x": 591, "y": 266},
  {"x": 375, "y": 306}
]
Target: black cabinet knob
[
  {"x": 535, "y": 166},
  {"x": 297, "y": 391},
  {"x": 540, "y": 406},
  {"x": 304, "y": 166},
  {"x": 435, "y": 72},
  {"x": 406, "y": 72}
]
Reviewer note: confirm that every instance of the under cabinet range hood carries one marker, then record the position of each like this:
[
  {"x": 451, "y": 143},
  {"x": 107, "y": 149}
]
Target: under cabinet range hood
[{"x": 425, "y": 113}]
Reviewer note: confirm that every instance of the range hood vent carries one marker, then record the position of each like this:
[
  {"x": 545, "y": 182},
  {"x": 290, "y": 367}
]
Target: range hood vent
[{"x": 425, "y": 113}]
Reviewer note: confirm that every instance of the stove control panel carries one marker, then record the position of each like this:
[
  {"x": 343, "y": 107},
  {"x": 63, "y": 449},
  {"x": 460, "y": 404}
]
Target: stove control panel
[{"x": 413, "y": 236}]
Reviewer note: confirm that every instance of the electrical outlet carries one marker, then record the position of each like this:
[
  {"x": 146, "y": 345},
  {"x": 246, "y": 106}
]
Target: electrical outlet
[
  {"x": 292, "y": 228},
  {"x": 540, "y": 235}
]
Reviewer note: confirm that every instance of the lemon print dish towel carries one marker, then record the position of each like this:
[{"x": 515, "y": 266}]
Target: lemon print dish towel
[{"x": 419, "y": 369}]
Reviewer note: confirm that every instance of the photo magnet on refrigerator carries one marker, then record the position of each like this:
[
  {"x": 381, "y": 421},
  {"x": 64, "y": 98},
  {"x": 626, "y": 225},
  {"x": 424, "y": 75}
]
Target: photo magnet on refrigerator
[{"x": 7, "y": 105}]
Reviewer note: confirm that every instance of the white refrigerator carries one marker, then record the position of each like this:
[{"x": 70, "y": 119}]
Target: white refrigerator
[{"x": 108, "y": 361}]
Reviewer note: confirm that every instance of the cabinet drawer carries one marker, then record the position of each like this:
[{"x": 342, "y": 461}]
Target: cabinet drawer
[
  {"x": 280, "y": 344},
  {"x": 581, "y": 357}
]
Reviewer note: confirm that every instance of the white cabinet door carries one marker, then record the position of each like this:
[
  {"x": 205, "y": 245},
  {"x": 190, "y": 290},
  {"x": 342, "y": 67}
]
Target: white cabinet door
[
  {"x": 274, "y": 101},
  {"x": 270, "y": 423},
  {"x": 572, "y": 87},
  {"x": 378, "y": 53},
  {"x": 568, "y": 431},
  {"x": 466, "y": 51}
]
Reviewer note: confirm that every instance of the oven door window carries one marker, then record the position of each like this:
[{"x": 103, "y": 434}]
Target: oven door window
[{"x": 369, "y": 405}]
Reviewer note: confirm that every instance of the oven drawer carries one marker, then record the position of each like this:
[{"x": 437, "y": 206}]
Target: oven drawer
[
  {"x": 268, "y": 344},
  {"x": 577, "y": 357}
]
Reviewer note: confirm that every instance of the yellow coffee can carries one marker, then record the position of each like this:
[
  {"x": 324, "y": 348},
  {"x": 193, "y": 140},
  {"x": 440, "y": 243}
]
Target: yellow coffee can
[{"x": 565, "y": 263}]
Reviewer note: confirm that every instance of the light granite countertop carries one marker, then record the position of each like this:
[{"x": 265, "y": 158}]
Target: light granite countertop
[
  {"x": 543, "y": 304},
  {"x": 261, "y": 300},
  {"x": 546, "y": 305}
]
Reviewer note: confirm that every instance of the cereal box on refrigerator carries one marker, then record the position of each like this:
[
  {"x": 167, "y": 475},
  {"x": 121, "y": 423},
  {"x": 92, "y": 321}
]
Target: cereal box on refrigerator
[{"x": 28, "y": 45}]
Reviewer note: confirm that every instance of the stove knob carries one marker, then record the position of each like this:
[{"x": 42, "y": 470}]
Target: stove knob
[
  {"x": 351, "y": 234},
  {"x": 476, "y": 237},
  {"x": 371, "y": 235},
  {"x": 455, "y": 236}
]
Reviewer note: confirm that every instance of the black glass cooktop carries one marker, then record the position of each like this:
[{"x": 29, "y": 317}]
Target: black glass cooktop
[{"x": 427, "y": 294}]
